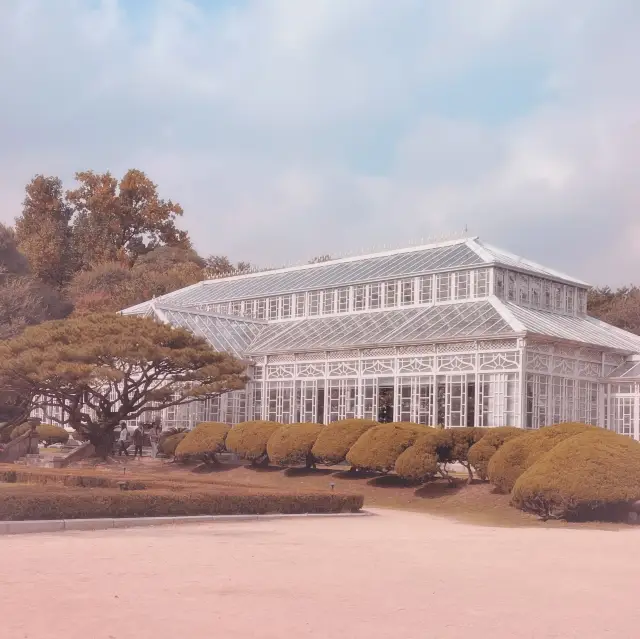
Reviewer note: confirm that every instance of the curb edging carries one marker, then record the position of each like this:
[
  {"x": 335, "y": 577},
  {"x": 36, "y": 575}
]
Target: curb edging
[{"x": 107, "y": 523}]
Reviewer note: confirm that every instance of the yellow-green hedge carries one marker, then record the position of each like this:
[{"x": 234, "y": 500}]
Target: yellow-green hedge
[
  {"x": 482, "y": 451},
  {"x": 249, "y": 439},
  {"x": 47, "y": 433},
  {"x": 291, "y": 445},
  {"x": 379, "y": 447},
  {"x": 592, "y": 475},
  {"x": 337, "y": 438},
  {"x": 203, "y": 442},
  {"x": 20, "y": 502},
  {"x": 168, "y": 445},
  {"x": 520, "y": 453}
]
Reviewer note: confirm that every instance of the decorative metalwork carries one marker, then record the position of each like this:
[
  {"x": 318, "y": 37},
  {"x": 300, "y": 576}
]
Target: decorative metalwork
[
  {"x": 497, "y": 344},
  {"x": 377, "y": 367},
  {"x": 538, "y": 362},
  {"x": 281, "y": 371},
  {"x": 311, "y": 370},
  {"x": 415, "y": 365},
  {"x": 589, "y": 369},
  {"x": 459, "y": 347},
  {"x": 563, "y": 366},
  {"x": 342, "y": 354},
  {"x": 417, "y": 350},
  {"x": 451, "y": 363},
  {"x": 377, "y": 352},
  {"x": 498, "y": 361},
  {"x": 343, "y": 369}
]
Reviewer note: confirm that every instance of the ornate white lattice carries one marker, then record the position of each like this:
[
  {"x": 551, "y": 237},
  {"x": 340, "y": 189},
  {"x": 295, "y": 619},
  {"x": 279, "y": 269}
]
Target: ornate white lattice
[
  {"x": 539, "y": 347},
  {"x": 258, "y": 372},
  {"x": 273, "y": 359},
  {"x": 590, "y": 355},
  {"x": 417, "y": 350},
  {"x": 613, "y": 358},
  {"x": 497, "y": 344},
  {"x": 415, "y": 365},
  {"x": 377, "y": 352},
  {"x": 377, "y": 367},
  {"x": 309, "y": 357},
  {"x": 566, "y": 351},
  {"x": 499, "y": 361},
  {"x": 341, "y": 354},
  {"x": 343, "y": 369},
  {"x": 589, "y": 369},
  {"x": 280, "y": 371},
  {"x": 457, "y": 347},
  {"x": 538, "y": 362},
  {"x": 564, "y": 366},
  {"x": 455, "y": 363},
  {"x": 311, "y": 370}
]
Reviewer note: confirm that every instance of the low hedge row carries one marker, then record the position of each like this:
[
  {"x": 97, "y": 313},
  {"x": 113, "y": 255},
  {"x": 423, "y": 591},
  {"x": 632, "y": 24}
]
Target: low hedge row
[
  {"x": 27, "y": 502},
  {"x": 35, "y": 476}
]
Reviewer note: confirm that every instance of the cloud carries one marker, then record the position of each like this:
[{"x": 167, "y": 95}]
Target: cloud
[{"x": 288, "y": 129}]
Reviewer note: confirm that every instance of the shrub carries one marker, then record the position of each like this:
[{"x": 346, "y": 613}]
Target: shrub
[
  {"x": 482, "y": 451},
  {"x": 51, "y": 434},
  {"x": 432, "y": 451},
  {"x": 203, "y": 442},
  {"x": 592, "y": 475},
  {"x": 47, "y": 433},
  {"x": 167, "y": 445},
  {"x": 20, "y": 430},
  {"x": 291, "y": 445},
  {"x": 520, "y": 453},
  {"x": 31, "y": 502},
  {"x": 379, "y": 447},
  {"x": 337, "y": 438},
  {"x": 249, "y": 439}
]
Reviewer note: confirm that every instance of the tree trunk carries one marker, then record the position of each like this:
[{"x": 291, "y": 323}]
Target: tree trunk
[{"x": 103, "y": 442}]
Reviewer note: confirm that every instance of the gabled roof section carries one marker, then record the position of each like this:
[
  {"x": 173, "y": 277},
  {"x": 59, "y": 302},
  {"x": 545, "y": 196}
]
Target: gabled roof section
[
  {"x": 383, "y": 328},
  {"x": 582, "y": 328},
  {"x": 492, "y": 255}
]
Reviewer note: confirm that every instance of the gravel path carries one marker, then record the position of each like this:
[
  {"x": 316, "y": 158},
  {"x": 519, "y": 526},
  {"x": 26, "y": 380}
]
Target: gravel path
[{"x": 398, "y": 575}]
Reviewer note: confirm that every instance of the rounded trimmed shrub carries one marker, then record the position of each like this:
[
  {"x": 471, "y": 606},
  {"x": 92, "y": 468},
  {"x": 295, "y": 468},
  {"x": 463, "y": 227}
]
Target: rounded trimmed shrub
[
  {"x": 21, "y": 429},
  {"x": 592, "y": 475},
  {"x": 203, "y": 442},
  {"x": 249, "y": 440},
  {"x": 482, "y": 451},
  {"x": 290, "y": 445},
  {"x": 431, "y": 453},
  {"x": 167, "y": 445},
  {"x": 421, "y": 461},
  {"x": 51, "y": 434},
  {"x": 520, "y": 453},
  {"x": 379, "y": 447},
  {"x": 337, "y": 438}
]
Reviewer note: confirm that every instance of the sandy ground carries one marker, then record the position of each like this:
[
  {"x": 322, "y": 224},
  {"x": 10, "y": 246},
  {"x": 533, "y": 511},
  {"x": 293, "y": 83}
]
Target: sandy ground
[{"x": 398, "y": 574}]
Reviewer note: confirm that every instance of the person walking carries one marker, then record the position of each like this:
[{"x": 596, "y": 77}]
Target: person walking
[
  {"x": 123, "y": 440},
  {"x": 154, "y": 436},
  {"x": 138, "y": 439}
]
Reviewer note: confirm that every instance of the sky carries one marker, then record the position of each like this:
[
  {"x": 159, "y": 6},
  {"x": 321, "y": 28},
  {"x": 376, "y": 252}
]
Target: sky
[{"x": 288, "y": 129}]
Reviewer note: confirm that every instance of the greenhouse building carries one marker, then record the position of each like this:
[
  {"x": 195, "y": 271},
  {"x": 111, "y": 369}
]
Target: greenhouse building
[{"x": 456, "y": 333}]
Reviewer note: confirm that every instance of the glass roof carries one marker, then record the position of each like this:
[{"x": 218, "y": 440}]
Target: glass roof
[
  {"x": 232, "y": 335},
  {"x": 330, "y": 274},
  {"x": 628, "y": 370},
  {"x": 416, "y": 325},
  {"x": 587, "y": 330}
]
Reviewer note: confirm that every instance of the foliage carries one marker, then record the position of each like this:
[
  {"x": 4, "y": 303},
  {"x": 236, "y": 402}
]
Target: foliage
[
  {"x": 520, "y": 453},
  {"x": 20, "y": 430},
  {"x": 26, "y": 502},
  {"x": 434, "y": 450},
  {"x": 249, "y": 439},
  {"x": 121, "y": 220},
  {"x": 43, "y": 231},
  {"x": 291, "y": 444},
  {"x": 337, "y": 438},
  {"x": 169, "y": 440},
  {"x": 619, "y": 307},
  {"x": 379, "y": 447},
  {"x": 51, "y": 434},
  {"x": 103, "y": 369},
  {"x": 12, "y": 261},
  {"x": 112, "y": 286},
  {"x": 203, "y": 442},
  {"x": 221, "y": 266},
  {"x": 482, "y": 451},
  {"x": 593, "y": 475}
]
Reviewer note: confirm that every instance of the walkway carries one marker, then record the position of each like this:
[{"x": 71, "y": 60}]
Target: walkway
[{"x": 398, "y": 575}]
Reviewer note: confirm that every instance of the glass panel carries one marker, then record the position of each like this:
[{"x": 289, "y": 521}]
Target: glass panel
[
  {"x": 328, "y": 304},
  {"x": 375, "y": 295},
  {"x": 443, "y": 287},
  {"x": 462, "y": 285},
  {"x": 390, "y": 289},
  {"x": 285, "y": 310},
  {"x": 481, "y": 283},
  {"x": 406, "y": 292},
  {"x": 343, "y": 300},
  {"x": 359, "y": 298},
  {"x": 300, "y": 304},
  {"x": 426, "y": 289},
  {"x": 314, "y": 302}
]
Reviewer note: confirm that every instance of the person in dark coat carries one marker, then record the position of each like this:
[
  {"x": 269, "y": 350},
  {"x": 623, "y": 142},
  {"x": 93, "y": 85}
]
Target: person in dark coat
[{"x": 138, "y": 439}]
